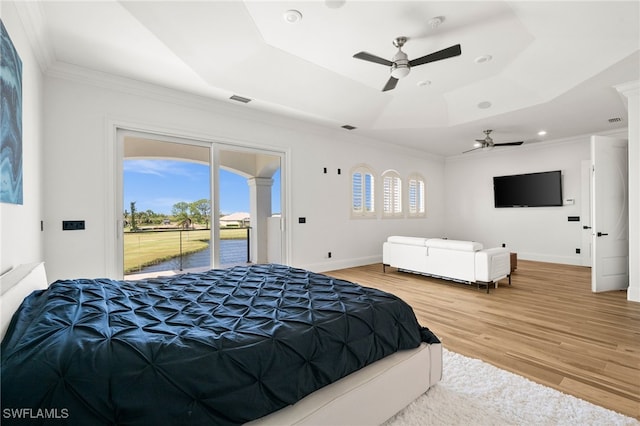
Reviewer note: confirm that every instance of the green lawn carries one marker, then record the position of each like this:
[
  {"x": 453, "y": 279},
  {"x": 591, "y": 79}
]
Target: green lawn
[{"x": 148, "y": 248}]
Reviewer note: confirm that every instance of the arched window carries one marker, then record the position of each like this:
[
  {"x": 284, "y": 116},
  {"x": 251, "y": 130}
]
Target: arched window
[
  {"x": 416, "y": 196},
  {"x": 362, "y": 192},
  {"x": 391, "y": 194}
]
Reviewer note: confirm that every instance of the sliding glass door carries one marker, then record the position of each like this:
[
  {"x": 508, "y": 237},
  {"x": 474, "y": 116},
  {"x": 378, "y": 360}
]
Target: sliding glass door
[
  {"x": 167, "y": 206},
  {"x": 187, "y": 205}
]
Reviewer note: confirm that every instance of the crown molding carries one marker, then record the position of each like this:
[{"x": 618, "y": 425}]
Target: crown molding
[
  {"x": 628, "y": 88},
  {"x": 33, "y": 20}
]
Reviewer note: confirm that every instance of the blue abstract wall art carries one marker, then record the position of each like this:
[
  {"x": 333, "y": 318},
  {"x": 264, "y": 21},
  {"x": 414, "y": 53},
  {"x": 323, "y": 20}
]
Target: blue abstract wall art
[{"x": 10, "y": 121}]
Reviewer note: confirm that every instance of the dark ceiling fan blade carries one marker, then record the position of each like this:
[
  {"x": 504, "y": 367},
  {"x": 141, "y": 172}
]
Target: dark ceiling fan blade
[
  {"x": 449, "y": 52},
  {"x": 372, "y": 58},
  {"x": 508, "y": 143},
  {"x": 391, "y": 84},
  {"x": 481, "y": 140},
  {"x": 480, "y": 147}
]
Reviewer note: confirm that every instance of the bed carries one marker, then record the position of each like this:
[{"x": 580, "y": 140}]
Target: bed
[{"x": 261, "y": 344}]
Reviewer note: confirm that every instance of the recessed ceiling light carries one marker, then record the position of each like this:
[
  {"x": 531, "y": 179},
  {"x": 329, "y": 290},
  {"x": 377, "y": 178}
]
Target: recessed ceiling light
[
  {"x": 542, "y": 132},
  {"x": 292, "y": 16},
  {"x": 435, "y": 22},
  {"x": 482, "y": 59},
  {"x": 484, "y": 105},
  {"x": 423, "y": 83}
]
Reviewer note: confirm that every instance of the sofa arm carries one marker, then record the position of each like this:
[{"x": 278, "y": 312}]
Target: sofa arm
[{"x": 492, "y": 264}]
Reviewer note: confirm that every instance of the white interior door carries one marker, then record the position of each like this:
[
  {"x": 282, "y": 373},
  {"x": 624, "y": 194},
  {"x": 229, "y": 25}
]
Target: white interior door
[
  {"x": 586, "y": 192},
  {"x": 610, "y": 214}
]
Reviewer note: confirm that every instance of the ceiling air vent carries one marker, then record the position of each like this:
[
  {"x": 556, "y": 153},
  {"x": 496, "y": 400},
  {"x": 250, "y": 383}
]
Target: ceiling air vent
[
  {"x": 615, "y": 119},
  {"x": 348, "y": 127},
  {"x": 240, "y": 99}
]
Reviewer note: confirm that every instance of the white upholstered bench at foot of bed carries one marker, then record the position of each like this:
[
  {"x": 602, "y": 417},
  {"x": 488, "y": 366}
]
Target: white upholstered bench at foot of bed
[{"x": 368, "y": 396}]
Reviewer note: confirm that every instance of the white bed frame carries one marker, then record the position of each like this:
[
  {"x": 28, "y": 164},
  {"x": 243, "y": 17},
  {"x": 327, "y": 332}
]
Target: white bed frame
[
  {"x": 369, "y": 396},
  {"x": 17, "y": 284}
]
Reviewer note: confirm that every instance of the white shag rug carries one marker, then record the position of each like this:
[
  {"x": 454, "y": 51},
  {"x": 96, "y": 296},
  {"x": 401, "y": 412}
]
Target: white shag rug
[{"x": 473, "y": 392}]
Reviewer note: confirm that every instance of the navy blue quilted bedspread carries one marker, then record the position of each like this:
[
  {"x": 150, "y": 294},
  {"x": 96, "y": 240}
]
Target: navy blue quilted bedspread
[{"x": 219, "y": 347}]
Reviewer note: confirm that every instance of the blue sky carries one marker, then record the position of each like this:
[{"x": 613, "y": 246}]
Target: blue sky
[{"x": 159, "y": 184}]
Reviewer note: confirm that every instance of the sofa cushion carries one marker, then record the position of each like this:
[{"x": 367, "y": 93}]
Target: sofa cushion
[
  {"x": 409, "y": 241},
  {"x": 453, "y": 244}
]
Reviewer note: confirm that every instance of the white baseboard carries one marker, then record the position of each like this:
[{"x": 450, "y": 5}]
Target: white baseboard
[
  {"x": 332, "y": 265},
  {"x": 541, "y": 257}
]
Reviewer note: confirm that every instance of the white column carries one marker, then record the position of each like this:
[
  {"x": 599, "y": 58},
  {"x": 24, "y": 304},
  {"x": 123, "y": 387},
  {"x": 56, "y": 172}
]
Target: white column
[
  {"x": 260, "y": 210},
  {"x": 631, "y": 94}
]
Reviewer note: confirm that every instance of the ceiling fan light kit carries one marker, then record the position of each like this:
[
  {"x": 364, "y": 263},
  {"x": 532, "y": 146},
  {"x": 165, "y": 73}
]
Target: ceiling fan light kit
[
  {"x": 400, "y": 70},
  {"x": 400, "y": 66}
]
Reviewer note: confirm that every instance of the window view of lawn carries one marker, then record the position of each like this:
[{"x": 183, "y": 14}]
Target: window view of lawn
[
  {"x": 162, "y": 231},
  {"x": 151, "y": 247}
]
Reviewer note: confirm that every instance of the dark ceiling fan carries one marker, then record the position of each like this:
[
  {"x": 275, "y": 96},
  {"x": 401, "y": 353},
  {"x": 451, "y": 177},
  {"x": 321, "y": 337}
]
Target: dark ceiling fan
[
  {"x": 487, "y": 142},
  {"x": 401, "y": 65}
]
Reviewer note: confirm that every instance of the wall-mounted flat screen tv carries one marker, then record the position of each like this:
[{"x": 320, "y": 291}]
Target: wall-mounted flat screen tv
[{"x": 542, "y": 189}]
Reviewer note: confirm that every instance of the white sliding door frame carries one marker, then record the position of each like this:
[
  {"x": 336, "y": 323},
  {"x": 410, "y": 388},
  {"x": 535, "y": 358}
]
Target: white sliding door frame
[{"x": 116, "y": 132}]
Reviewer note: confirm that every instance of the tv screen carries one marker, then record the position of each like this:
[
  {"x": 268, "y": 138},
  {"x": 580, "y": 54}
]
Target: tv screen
[{"x": 528, "y": 190}]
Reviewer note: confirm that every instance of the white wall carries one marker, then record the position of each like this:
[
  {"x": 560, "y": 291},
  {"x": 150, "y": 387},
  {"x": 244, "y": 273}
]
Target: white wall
[
  {"x": 21, "y": 240},
  {"x": 79, "y": 175},
  {"x": 535, "y": 233}
]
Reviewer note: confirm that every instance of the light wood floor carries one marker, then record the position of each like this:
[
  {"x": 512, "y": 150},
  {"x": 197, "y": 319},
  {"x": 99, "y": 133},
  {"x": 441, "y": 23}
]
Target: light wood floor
[{"x": 548, "y": 326}]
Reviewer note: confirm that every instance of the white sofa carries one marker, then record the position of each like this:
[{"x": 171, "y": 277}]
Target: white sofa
[{"x": 463, "y": 261}]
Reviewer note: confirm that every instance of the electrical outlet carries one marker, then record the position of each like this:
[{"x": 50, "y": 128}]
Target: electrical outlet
[
  {"x": 577, "y": 251},
  {"x": 329, "y": 255}
]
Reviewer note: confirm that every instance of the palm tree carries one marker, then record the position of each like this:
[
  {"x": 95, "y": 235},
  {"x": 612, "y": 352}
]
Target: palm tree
[{"x": 134, "y": 225}]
